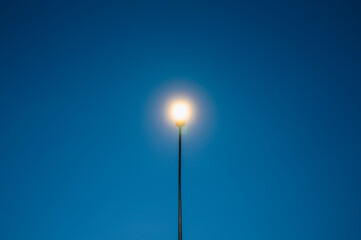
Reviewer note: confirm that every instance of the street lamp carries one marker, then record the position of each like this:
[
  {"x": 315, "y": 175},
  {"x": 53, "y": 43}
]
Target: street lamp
[{"x": 180, "y": 112}]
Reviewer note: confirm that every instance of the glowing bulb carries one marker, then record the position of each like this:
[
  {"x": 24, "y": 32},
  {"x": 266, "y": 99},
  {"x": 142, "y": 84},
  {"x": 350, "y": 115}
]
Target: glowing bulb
[{"x": 180, "y": 112}]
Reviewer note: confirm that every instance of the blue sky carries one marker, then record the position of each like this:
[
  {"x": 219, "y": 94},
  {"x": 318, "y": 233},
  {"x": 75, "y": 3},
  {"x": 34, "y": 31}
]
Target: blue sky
[{"x": 273, "y": 150}]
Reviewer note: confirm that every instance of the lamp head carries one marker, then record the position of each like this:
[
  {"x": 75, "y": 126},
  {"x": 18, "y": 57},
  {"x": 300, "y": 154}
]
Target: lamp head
[
  {"x": 180, "y": 112},
  {"x": 180, "y": 123}
]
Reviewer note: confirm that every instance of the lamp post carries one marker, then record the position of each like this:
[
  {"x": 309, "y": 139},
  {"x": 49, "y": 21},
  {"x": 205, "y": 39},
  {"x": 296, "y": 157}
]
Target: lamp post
[
  {"x": 180, "y": 124},
  {"x": 180, "y": 113}
]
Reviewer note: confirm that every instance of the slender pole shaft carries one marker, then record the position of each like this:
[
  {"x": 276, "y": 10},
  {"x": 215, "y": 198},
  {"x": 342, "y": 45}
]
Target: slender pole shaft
[{"x": 179, "y": 188}]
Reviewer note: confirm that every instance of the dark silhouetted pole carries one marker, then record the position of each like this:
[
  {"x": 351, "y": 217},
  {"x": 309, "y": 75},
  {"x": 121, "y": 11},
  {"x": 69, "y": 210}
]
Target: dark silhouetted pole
[
  {"x": 180, "y": 124},
  {"x": 179, "y": 186}
]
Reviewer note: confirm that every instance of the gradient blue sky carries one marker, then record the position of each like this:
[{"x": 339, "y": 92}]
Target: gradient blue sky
[{"x": 273, "y": 150}]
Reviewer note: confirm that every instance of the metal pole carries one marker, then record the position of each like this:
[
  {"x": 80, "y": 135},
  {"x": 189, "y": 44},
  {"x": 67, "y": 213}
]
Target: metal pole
[{"x": 179, "y": 188}]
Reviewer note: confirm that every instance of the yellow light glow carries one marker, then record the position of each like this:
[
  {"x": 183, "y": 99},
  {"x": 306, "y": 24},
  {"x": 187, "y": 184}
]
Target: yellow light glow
[{"x": 180, "y": 111}]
